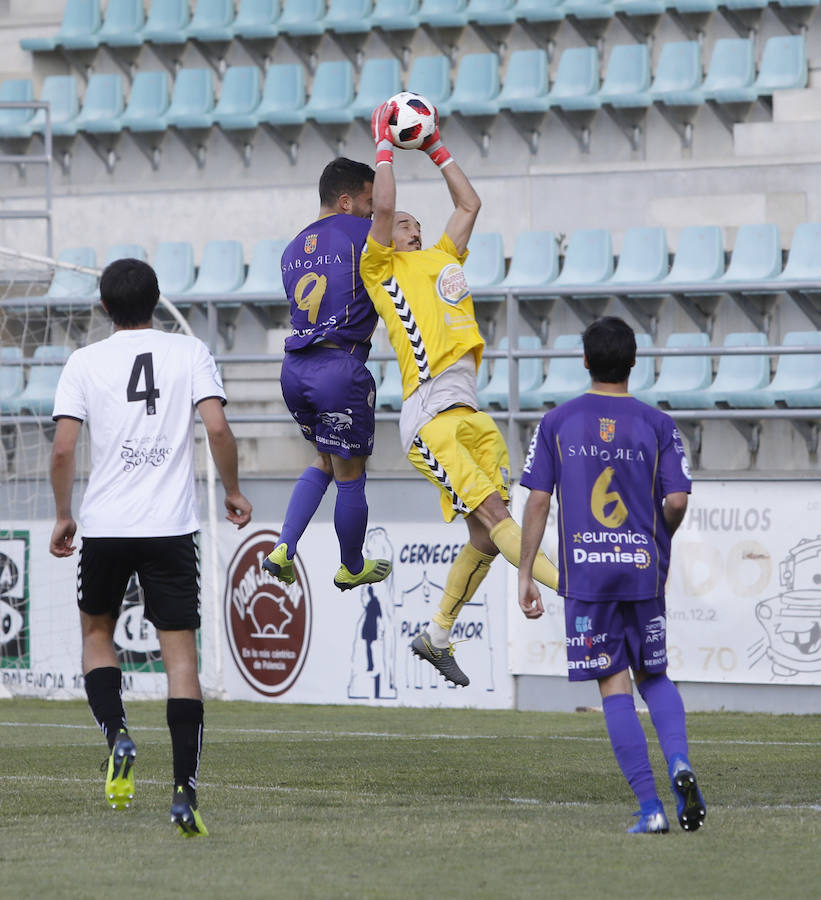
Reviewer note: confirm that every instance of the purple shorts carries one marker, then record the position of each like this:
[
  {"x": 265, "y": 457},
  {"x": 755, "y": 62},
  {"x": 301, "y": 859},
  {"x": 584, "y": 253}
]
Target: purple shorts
[
  {"x": 605, "y": 638},
  {"x": 331, "y": 396}
]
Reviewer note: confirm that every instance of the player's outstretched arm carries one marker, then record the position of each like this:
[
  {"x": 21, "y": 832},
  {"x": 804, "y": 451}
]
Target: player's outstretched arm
[
  {"x": 534, "y": 521},
  {"x": 224, "y": 450},
  {"x": 62, "y": 484},
  {"x": 384, "y": 183}
]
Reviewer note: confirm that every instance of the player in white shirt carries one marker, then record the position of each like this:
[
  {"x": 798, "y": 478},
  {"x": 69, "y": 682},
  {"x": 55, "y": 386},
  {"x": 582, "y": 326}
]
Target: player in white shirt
[{"x": 138, "y": 390}]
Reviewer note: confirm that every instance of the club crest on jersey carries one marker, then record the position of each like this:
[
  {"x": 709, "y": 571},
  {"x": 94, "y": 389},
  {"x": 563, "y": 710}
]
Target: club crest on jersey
[
  {"x": 607, "y": 430},
  {"x": 310, "y": 243},
  {"x": 451, "y": 285}
]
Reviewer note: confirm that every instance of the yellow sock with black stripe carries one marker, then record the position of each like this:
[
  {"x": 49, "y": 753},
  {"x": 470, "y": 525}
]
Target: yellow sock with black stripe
[
  {"x": 507, "y": 536},
  {"x": 465, "y": 575}
]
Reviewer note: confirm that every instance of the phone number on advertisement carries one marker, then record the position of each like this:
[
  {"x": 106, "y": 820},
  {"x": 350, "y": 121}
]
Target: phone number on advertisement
[{"x": 712, "y": 659}]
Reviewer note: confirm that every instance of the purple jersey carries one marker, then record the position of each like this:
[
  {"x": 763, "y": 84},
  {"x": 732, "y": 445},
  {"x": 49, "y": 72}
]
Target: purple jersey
[
  {"x": 320, "y": 271},
  {"x": 612, "y": 459}
]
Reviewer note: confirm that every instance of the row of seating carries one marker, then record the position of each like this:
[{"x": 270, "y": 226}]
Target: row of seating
[
  {"x": 170, "y": 22},
  {"x": 33, "y": 395}
]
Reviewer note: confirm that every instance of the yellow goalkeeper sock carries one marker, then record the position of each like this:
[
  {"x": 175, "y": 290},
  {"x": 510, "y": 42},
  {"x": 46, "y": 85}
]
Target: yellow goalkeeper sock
[
  {"x": 508, "y": 538},
  {"x": 465, "y": 575}
]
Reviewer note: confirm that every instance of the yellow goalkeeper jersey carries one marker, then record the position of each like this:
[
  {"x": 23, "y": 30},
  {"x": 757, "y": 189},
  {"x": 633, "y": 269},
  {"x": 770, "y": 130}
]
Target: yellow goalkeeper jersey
[{"x": 425, "y": 301}]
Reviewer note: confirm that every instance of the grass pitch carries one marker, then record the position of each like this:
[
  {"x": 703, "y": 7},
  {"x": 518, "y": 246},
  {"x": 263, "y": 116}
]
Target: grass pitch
[{"x": 327, "y": 802}]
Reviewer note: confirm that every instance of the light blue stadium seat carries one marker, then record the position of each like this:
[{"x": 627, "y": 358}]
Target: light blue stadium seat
[
  {"x": 192, "y": 103},
  {"x": 797, "y": 379},
  {"x": 174, "y": 264},
  {"x": 640, "y": 7},
  {"x": 783, "y": 67},
  {"x": 680, "y": 374},
  {"x": 739, "y": 379},
  {"x": 627, "y": 80},
  {"x": 332, "y": 93},
  {"x": 349, "y": 17},
  {"x": 63, "y": 93},
  {"x": 265, "y": 271},
  {"x": 678, "y": 76},
  {"x": 644, "y": 257},
  {"x": 535, "y": 261},
  {"x": 103, "y": 105},
  {"x": 12, "y": 381},
  {"x": 476, "y": 90},
  {"x": 148, "y": 103},
  {"x": 485, "y": 265},
  {"x": 167, "y": 22},
  {"x": 123, "y": 24},
  {"x": 539, "y": 10},
  {"x": 689, "y": 7},
  {"x": 257, "y": 19},
  {"x": 430, "y": 76},
  {"x": 577, "y": 79},
  {"x": 389, "y": 393},
  {"x": 16, "y": 122},
  {"x": 699, "y": 256},
  {"x": 526, "y": 83},
  {"x": 78, "y": 30},
  {"x": 732, "y": 70},
  {"x": 491, "y": 12},
  {"x": 444, "y": 13},
  {"x": 379, "y": 79},
  {"x": 240, "y": 98},
  {"x": 302, "y": 17},
  {"x": 283, "y": 95},
  {"x": 588, "y": 9},
  {"x": 756, "y": 254},
  {"x": 213, "y": 20},
  {"x": 746, "y": 4},
  {"x": 37, "y": 397},
  {"x": 69, "y": 283},
  {"x": 125, "y": 251},
  {"x": 496, "y": 392},
  {"x": 643, "y": 373},
  {"x": 375, "y": 368},
  {"x": 222, "y": 269},
  {"x": 800, "y": 3},
  {"x": 566, "y": 376},
  {"x": 804, "y": 259},
  {"x": 589, "y": 258},
  {"x": 396, "y": 15}
]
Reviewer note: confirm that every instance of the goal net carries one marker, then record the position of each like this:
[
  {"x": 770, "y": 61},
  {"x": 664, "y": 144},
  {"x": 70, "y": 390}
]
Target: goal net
[{"x": 48, "y": 309}]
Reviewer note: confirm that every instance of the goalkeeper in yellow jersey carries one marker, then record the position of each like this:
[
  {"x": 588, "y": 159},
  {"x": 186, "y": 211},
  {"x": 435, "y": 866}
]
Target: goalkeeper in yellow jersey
[{"x": 424, "y": 299}]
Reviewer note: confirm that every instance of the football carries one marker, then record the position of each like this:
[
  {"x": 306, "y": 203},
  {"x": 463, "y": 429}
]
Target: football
[{"x": 414, "y": 120}]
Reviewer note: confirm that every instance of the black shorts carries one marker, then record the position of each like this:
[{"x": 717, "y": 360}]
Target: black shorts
[{"x": 168, "y": 569}]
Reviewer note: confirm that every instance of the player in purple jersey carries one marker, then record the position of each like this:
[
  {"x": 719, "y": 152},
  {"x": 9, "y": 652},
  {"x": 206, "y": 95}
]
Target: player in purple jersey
[
  {"x": 621, "y": 476},
  {"x": 325, "y": 383}
]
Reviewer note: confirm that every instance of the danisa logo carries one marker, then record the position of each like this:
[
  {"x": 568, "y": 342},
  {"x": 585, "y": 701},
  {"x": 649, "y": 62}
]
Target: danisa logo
[{"x": 268, "y": 623}]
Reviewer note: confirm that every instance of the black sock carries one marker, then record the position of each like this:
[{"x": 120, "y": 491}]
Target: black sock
[
  {"x": 185, "y": 722},
  {"x": 104, "y": 692}
]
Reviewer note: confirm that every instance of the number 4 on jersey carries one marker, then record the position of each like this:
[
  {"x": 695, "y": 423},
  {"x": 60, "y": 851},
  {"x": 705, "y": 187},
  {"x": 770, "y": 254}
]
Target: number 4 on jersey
[{"x": 143, "y": 364}]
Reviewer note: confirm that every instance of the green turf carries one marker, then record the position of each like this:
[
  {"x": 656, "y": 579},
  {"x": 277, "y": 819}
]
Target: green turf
[{"x": 310, "y": 801}]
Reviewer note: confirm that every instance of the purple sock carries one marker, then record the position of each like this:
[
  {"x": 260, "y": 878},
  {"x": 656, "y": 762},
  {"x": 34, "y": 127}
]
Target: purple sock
[
  {"x": 351, "y": 521},
  {"x": 306, "y": 497},
  {"x": 630, "y": 745},
  {"x": 667, "y": 712}
]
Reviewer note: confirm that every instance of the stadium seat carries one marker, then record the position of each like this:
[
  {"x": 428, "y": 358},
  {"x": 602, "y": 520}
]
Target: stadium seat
[
  {"x": 577, "y": 79},
  {"x": 69, "y": 283},
  {"x": 627, "y": 80},
  {"x": 644, "y": 257},
  {"x": 174, "y": 264},
  {"x": 643, "y": 373},
  {"x": 213, "y": 20},
  {"x": 699, "y": 256},
  {"x": 396, "y": 15},
  {"x": 539, "y": 10},
  {"x": 125, "y": 251},
  {"x": 123, "y": 24},
  {"x": 485, "y": 265},
  {"x": 732, "y": 71},
  {"x": 221, "y": 271},
  {"x": 588, "y": 9},
  {"x": 37, "y": 397},
  {"x": 430, "y": 76},
  {"x": 689, "y": 7},
  {"x": 739, "y": 379},
  {"x": 680, "y": 374},
  {"x": 678, "y": 76},
  {"x": 443, "y": 13},
  {"x": 526, "y": 84},
  {"x": 283, "y": 95},
  {"x": 63, "y": 94},
  {"x": 78, "y": 30},
  {"x": 797, "y": 379},
  {"x": 640, "y": 7},
  {"x": 348, "y": 16},
  {"x": 148, "y": 103},
  {"x": 589, "y": 258},
  {"x": 16, "y": 122},
  {"x": 476, "y": 90},
  {"x": 804, "y": 259},
  {"x": 375, "y": 368},
  {"x": 240, "y": 98},
  {"x": 566, "y": 376},
  {"x": 496, "y": 392},
  {"x": 756, "y": 254},
  {"x": 11, "y": 377},
  {"x": 302, "y": 17},
  {"x": 333, "y": 92},
  {"x": 535, "y": 262},
  {"x": 380, "y": 78},
  {"x": 783, "y": 66},
  {"x": 491, "y": 12},
  {"x": 265, "y": 272},
  {"x": 389, "y": 393},
  {"x": 103, "y": 105},
  {"x": 257, "y": 19},
  {"x": 167, "y": 22},
  {"x": 192, "y": 103}
]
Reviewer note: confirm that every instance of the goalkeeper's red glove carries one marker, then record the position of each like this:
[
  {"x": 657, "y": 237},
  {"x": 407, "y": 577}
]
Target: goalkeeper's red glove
[
  {"x": 434, "y": 147},
  {"x": 381, "y": 131}
]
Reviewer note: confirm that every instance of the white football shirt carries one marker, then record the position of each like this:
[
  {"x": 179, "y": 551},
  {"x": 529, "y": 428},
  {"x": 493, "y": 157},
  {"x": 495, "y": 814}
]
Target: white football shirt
[{"x": 137, "y": 391}]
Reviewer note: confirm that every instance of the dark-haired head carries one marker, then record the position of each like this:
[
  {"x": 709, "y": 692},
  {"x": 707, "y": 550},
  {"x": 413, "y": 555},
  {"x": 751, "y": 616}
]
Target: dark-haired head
[
  {"x": 129, "y": 291},
  {"x": 610, "y": 349},
  {"x": 347, "y": 178}
]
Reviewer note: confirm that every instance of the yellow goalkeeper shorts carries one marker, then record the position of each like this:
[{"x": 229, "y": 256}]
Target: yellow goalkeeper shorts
[{"x": 464, "y": 454}]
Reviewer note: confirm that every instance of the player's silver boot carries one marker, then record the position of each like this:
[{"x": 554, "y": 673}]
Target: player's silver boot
[{"x": 440, "y": 658}]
